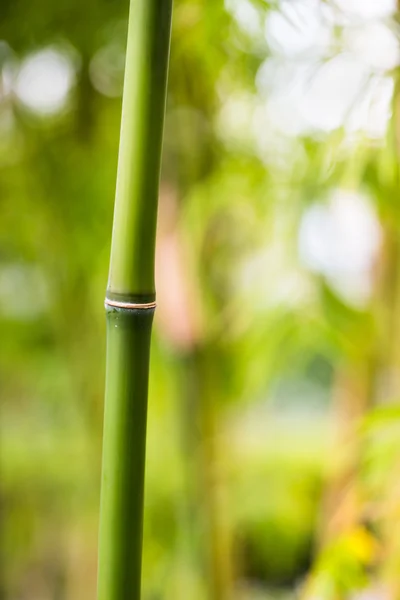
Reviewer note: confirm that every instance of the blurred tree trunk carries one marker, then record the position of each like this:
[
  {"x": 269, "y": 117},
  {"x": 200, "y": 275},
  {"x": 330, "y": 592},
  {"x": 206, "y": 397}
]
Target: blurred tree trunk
[
  {"x": 206, "y": 500},
  {"x": 342, "y": 502},
  {"x": 375, "y": 381},
  {"x": 389, "y": 384},
  {"x": 213, "y": 499},
  {"x": 206, "y": 510}
]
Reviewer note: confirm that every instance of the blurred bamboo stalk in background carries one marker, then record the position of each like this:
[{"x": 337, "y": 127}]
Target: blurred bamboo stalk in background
[
  {"x": 342, "y": 502},
  {"x": 215, "y": 499},
  {"x": 130, "y": 300},
  {"x": 205, "y": 512},
  {"x": 389, "y": 323}
]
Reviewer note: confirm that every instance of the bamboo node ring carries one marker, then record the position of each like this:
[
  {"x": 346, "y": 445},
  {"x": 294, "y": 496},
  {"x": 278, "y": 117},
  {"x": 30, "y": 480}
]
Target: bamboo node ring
[{"x": 129, "y": 305}]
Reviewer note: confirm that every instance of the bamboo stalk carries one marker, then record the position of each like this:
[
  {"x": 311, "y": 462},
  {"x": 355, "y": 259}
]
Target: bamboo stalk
[{"x": 130, "y": 300}]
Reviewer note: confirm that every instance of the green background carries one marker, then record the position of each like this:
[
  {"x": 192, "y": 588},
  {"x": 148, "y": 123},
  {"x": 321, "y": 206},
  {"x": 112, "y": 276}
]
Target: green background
[{"x": 273, "y": 439}]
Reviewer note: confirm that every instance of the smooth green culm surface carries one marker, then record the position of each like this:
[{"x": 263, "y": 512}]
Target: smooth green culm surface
[
  {"x": 133, "y": 241},
  {"x": 131, "y": 281},
  {"x": 128, "y": 347}
]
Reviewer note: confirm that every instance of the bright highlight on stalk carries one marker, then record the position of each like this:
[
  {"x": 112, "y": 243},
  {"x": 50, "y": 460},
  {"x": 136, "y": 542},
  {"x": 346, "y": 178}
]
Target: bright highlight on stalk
[{"x": 130, "y": 300}]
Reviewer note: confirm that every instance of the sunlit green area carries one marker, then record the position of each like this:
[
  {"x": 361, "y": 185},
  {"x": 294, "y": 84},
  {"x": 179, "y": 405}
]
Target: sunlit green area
[{"x": 273, "y": 456}]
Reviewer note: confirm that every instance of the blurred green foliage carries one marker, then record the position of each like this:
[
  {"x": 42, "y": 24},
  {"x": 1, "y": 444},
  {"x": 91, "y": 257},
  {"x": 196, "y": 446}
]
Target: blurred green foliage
[{"x": 273, "y": 429}]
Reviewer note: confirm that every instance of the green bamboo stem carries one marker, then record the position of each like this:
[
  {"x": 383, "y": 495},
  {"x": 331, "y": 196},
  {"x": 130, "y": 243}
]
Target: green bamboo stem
[
  {"x": 133, "y": 240},
  {"x": 120, "y": 543},
  {"x": 130, "y": 288}
]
